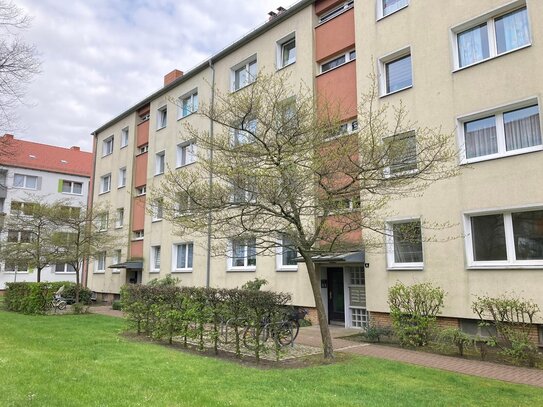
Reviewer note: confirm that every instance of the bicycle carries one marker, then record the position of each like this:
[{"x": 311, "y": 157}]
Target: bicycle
[
  {"x": 283, "y": 332},
  {"x": 58, "y": 302}
]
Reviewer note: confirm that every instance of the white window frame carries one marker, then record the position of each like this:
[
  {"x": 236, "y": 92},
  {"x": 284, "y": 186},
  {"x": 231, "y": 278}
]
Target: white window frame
[
  {"x": 125, "y": 137},
  {"x": 190, "y": 147},
  {"x": 143, "y": 149},
  {"x": 230, "y": 257},
  {"x": 161, "y": 117},
  {"x": 72, "y": 184},
  {"x": 103, "y": 222},
  {"x": 382, "y": 69},
  {"x": 158, "y": 210},
  {"x": 279, "y": 258},
  {"x": 243, "y": 66},
  {"x": 153, "y": 257},
  {"x": 281, "y": 48},
  {"x": 405, "y": 134},
  {"x": 498, "y": 112},
  {"x": 192, "y": 102},
  {"x": 389, "y": 242},
  {"x": 186, "y": 269},
  {"x": 511, "y": 262},
  {"x": 138, "y": 235},
  {"x": 25, "y": 181},
  {"x": 107, "y": 146},
  {"x": 100, "y": 258},
  {"x": 15, "y": 269},
  {"x": 345, "y": 129},
  {"x": 337, "y": 11},
  {"x": 119, "y": 218},
  {"x": 103, "y": 188},
  {"x": 381, "y": 9},
  {"x": 350, "y": 56},
  {"x": 117, "y": 254},
  {"x": 489, "y": 19},
  {"x": 122, "y": 177},
  {"x": 141, "y": 191},
  {"x": 65, "y": 271},
  {"x": 160, "y": 162}
]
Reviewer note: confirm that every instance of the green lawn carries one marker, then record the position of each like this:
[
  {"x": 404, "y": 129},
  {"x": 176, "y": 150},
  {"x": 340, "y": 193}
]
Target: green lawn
[{"x": 82, "y": 361}]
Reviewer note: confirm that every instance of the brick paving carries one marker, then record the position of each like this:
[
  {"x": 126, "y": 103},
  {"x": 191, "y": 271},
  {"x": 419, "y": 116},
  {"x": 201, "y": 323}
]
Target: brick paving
[
  {"x": 310, "y": 336},
  {"x": 520, "y": 375}
]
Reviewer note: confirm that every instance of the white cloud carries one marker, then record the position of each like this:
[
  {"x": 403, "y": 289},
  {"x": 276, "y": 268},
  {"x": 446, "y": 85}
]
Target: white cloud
[{"x": 102, "y": 56}]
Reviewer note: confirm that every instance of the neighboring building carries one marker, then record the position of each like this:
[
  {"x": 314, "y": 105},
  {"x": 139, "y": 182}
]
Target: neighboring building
[
  {"x": 39, "y": 172},
  {"x": 471, "y": 68}
]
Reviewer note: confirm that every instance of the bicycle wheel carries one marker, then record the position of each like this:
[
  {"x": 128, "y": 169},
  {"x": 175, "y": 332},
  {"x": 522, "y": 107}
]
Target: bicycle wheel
[
  {"x": 250, "y": 336},
  {"x": 61, "y": 305},
  {"x": 283, "y": 333}
]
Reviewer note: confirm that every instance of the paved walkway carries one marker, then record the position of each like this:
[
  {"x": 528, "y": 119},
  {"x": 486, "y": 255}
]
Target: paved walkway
[
  {"x": 311, "y": 336},
  {"x": 520, "y": 375}
]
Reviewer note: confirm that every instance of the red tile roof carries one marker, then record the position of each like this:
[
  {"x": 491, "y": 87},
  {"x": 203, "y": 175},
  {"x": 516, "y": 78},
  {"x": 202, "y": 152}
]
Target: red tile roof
[{"x": 36, "y": 156}]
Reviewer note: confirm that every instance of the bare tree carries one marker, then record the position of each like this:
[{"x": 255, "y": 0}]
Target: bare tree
[
  {"x": 18, "y": 61},
  {"x": 279, "y": 167}
]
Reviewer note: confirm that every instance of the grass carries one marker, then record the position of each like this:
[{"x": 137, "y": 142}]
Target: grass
[{"x": 81, "y": 360}]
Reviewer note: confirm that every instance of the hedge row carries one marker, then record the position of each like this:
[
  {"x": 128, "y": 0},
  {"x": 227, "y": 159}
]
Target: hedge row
[
  {"x": 35, "y": 298},
  {"x": 204, "y": 315}
]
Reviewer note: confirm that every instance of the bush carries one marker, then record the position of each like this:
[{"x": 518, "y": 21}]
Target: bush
[
  {"x": 513, "y": 319},
  {"x": 375, "y": 332},
  {"x": 455, "y": 337},
  {"x": 413, "y": 310},
  {"x": 116, "y": 305},
  {"x": 79, "y": 308},
  {"x": 84, "y": 293}
]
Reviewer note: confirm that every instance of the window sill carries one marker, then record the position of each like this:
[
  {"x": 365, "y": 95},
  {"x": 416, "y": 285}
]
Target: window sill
[
  {"x": 115, "y": 271},
  {"x": 467, "y": 161},
  {"x": 180, "y": 271},
  {"x": 415, "y": 267},
  {"x": 65, "y": 273},
  {"x": 188, "y": 115},
  {"x": 156, "y": 220},
  {"x": 107, "y": 155},
  {"x": 121, "y": 186},
  {"x": 285, "y": 66},
  {"x": 99, "y": 272},
  {"x": 234, "y": 90},
  {"x": 334, "y": 17},
  {"x": 118, "y": 227},
  {"x": 392, "y": 13},
  {"x": 396, "y": 91},
  {"x": 509, "y": 266},
  {"x": 241, "y": 269},
  {"x": 160, "y": 128},
  {"x": 154, "y": 271},
  {"x": 72, "y": 193},
  {"x": 139, "y": 239},
  {"x": 185, "y": 165},
  {"x": 18, "y": 272},
  {"x": 159, "y": 174},
  {"x": 491, "y": 58},
  {"x": 105, "y": 192},
  {"x": 121, "y": 147},
  {"x": 336, "y": 67},
  {"x": 286, "y": 269}
]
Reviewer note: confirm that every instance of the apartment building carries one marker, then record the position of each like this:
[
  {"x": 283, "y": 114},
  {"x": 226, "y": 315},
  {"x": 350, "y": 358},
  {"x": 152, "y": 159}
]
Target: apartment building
[
  {"x": 31, "y": 172},
  {"x": 470, "y": 68}
]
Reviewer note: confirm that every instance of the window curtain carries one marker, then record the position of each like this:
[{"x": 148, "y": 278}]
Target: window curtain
[
  {"x": 522, "y": 128},
  {"x": 512, "y": 31},
  {"x": 481, "y": 137},
  {"x": 473, "y": 45}
]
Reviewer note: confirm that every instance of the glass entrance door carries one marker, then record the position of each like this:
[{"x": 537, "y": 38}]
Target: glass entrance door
[{"x": 336, "y": 295}]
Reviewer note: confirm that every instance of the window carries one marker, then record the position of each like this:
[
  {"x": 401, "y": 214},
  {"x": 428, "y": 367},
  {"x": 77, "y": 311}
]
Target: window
[
  {"x": 491, "y": 36},
  {"x": 138, "y": 235},
  {"x": 117, "y": 254},
  {"x": 155, "y": 258},
  {"x": 16, "y": 267},
  {"x": 119, "y": 219},
  {"x": 183, "y": 254},
  {"x": 336, "y": 11},
  {"x": 19, "y": 236},
  {"x": 122, "y": 177},
  {"x": 64, "y": 268},
  {"x": 244, "y": 133},
  {"x": 143, "y": 149},
  {"x": 27, "y": 208},
  {"x": 473, "y": 327},
  {"x": 501, "y": 133},
  {"x": 71, "y": 187},
  {"x": 286, "y": 51},
  {"x": 396, "y": 72},
  {"x": 387, "y": 7},
  {"x": 244, "y": 74},
  {"x": 25, "y": 181},
  {"x": 162, "y": 117},
  {"x": 141, "y": 190},
  {"x": 188, "y": 104},
  {"x": 186, "y": 153},
  {"x": 286, "y": 255},
  {"x": 401, "y": 153},
  {"x": 501, "y": 240},
  {"x": 107, "y": 146},
  {"x": 404, "y": 245},
  {"x": 345, "y": 128},
  {"x": 105, "y": 184},
  {"x": 158, "y": 210},
  {"x": 338, "y": 61},
  {"x": 103, "y": 221},
  {"x": 243, "y": 254},
  {"x": 100, "y": 262},
  {"x": 159, "y": 163},
  {"x": 359, "y": 318},
  {"x": 184, "y": 204},
  {"x": 243, "y": 189},
  {"x": 71, "y": 212},
  {"x": 124, "y": 137}
]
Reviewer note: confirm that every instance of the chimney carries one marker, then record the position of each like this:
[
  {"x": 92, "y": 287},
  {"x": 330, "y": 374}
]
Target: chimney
[
  {"x": 281, "y": 10},
  {"x": 272, "y": 15},
  {"x": 8, "y": 136},
  {"x": 75, "y": 148},
  {"x": 172, "y": 76}
]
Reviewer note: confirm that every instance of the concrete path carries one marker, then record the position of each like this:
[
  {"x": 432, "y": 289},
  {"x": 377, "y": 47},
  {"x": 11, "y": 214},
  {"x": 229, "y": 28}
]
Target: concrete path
[
  {"x": 311, "y": 336},
  {"x": 520, "y": 375}
]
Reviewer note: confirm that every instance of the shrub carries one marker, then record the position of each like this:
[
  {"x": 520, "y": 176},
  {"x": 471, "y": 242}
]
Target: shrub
[
  {"x": 254, "y": 285},
  {"x": 375, "y": 332},
  {"x": 455, "y": 337},
  {"x": 167, "y": 281},
  {"x": 116, "y": 305},
  {"x": 32, "y": 298},
  {"x": 513, "y": 319},
  {"x": 413, "y": 310},
  {"x": 79, "y": 308},
  {"x": 84, "y": 293}
]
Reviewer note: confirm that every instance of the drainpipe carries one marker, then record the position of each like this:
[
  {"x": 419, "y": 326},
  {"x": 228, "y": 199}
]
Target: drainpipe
[
  {"x": 90, "y": 201},
  {"x": 208, "y": 265}
]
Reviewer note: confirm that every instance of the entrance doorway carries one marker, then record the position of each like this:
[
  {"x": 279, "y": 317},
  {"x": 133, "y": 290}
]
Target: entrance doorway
[
  {"x": 133, "y": 276},
  {"x": 336, "y": 295}
]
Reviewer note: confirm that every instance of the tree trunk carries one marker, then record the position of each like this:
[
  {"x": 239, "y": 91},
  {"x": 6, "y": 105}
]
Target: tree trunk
[
  {"x": 38, "y": 273},
  {"x": 321, "y": 312},
  {"x": 77, "y": 286}
]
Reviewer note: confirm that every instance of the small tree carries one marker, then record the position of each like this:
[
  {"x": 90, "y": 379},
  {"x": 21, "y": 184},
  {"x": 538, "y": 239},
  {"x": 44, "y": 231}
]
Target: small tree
[
  {"x": 413, "y": 310},
  {"x": 277, "y": 168}
]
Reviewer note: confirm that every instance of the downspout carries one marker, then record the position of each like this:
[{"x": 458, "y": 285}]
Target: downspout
[
  {"x": 211, "y": 129},
  {"x": 90, "y": 201}
]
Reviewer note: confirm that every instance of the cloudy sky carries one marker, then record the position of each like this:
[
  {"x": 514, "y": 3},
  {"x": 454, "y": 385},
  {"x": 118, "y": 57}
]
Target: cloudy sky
[{"x": 102, "y": 56}]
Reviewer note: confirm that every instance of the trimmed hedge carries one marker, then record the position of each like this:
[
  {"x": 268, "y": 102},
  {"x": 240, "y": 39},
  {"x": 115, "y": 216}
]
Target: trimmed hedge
[{"x": 35, "y": 298}]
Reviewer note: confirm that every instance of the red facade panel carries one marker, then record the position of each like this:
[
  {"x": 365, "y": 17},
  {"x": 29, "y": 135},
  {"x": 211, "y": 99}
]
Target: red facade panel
[
  {"x": 141, "y": 170},
  {"x": 138, "y": 213},
  {"x": 142, "y": 136},
  {"x": 136, "y": 249},
  {"x": 325, "y": 5},
  {"x": 337, "y": 88},
  {"x": 335, "y": 36}
]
